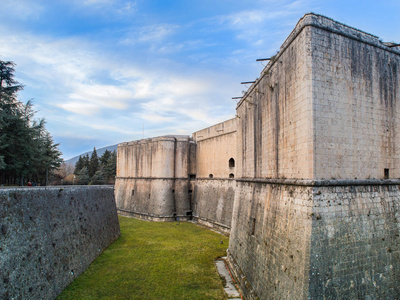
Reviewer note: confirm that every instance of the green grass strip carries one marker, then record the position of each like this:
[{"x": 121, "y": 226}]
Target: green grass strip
[{"x": 153, "y": 260}]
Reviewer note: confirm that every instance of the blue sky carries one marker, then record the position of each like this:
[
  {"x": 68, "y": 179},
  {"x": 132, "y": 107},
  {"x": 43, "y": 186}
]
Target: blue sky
[{"x": 100, "y": 71}]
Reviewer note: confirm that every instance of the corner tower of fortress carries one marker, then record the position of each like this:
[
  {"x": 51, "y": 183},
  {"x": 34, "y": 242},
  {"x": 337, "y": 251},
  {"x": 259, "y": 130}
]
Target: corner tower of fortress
[
  {"x": 154, "y": 178},
  {"x": 305, "y": 178}
]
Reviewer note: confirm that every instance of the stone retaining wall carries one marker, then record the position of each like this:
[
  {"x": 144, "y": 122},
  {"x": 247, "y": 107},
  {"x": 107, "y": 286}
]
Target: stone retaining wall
[{"x": 48, "y": 236}]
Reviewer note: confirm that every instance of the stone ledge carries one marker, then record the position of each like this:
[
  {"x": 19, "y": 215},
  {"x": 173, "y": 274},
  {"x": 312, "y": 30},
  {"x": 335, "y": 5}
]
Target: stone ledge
[{"x": 322, "y": 182}]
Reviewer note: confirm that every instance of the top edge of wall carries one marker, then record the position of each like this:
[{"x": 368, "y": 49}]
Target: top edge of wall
[
  {"x": 327, "y": 24},
  {"x": 166, "y": 138}
]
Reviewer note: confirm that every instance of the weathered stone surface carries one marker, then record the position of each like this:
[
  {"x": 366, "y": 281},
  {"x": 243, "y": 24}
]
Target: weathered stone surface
[
  {"x": 355, "y": 243},
  {"x": 216, "y": 146},
  {"x": 270, "y": 240},
  {"x": 153, "y": 178},
  {"x": 51, "y": 235},
  {"x": 355, "y": 105},
  {"x": 167, "y": 178},
  {"x": 214, "y": 203}
]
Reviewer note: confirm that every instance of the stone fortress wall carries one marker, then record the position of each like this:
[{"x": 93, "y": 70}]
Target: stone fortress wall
[
  {"x": 153, "y": 179},
  {"x": 214, "y": 190},
  {"x": 313, "y": 217},
  {"x": 49, "y": 236},
  {"x": 312, "y": 198}
]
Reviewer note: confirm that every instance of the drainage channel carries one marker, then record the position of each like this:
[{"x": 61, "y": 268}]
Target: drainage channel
[{"x": 230, "y": 289}]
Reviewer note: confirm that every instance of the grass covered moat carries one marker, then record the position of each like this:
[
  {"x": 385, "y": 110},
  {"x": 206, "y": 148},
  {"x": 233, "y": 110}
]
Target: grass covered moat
[{"x": 153, "y": 260}]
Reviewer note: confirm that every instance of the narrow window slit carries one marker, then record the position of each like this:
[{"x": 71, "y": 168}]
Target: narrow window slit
[
  {"x": 386, "y": 173},
  {"x": 253, "y": 227}
]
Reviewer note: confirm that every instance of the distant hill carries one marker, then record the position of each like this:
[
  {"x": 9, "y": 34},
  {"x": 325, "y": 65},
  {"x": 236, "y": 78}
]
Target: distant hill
[{"x": 100, "y": 152}]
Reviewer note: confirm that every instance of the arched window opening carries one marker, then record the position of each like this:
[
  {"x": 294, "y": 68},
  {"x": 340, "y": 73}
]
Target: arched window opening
[
  {"x": 231, "y": 175},
  {"x": 231, "y": 163},
  {"x": 210, "y": 176}
]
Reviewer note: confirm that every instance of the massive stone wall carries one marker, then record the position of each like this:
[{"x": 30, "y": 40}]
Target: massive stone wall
[
  {"x": 216, "y": 146},
  {"x": 324, "y": 107},
  {"x": 270, "y": 239},
  {"x": 213, "y": 202},
  {"x": 214, "y": 188},
  {"x": 356, "y": 84},
  {"x": 168, "y": 178},
  {"x": 316, "y": 240},
  {"x": 275, "y": 125},
  {"x": 48, "y": 236},
  {"x": 355, "y": 243},
  {"x": 153, "y": 178}
]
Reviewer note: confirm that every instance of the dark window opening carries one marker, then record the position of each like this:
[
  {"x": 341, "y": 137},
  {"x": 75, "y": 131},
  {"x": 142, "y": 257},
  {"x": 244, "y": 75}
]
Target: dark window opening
[
  {"x": 192, "y": 176},
  {"x": 190, "y": 191},
  {"x": 231, "y": 163},
  {"x": 253, "y": 227},
  {"x": 133, "y": 192},
  {"x": 210, "y": 176},
  {"x": 231, "y": 175},
  {"x": 173, "y": 191},
  {"x": 189, "y": 213},
  {"x": 149, "y": 196},
  {"x": 386, "y": 171}
]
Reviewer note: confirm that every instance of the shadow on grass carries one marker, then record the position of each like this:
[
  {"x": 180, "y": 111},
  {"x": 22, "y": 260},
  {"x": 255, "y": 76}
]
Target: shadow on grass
[{"x": 154, "y": 261}]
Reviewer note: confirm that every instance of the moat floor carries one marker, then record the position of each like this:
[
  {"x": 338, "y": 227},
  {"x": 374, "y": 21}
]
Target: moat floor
[{"x": 154, "y": 261}]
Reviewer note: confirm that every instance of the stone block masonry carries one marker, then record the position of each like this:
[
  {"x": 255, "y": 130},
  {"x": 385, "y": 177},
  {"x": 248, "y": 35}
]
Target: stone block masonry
[
  {"x": 269, "y": 242},
  {"x": 316, "y": 239},
  {"x": 48, "y": 236},
  {"x": 152, "y": 178},
  {"x": 355, "y": 243},
  {"x": 214, "y": 203}
]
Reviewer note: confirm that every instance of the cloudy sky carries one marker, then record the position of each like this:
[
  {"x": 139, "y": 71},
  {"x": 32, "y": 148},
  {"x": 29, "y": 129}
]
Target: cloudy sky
[{"x": 103, "y": 72}]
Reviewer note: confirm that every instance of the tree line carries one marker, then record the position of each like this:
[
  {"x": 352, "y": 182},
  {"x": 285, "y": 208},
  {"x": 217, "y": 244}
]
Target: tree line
[
  {"x": 27, "y": 150},
  {"x": 95, "y": 170}
]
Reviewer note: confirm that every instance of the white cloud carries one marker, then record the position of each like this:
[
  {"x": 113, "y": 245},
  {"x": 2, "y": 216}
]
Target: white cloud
[
  {"x": 106, "y": 96},
  {"x": 155, "y": 33},
  {"x": 156, "y": 117},
  {"x": 22, "y": 9},
  {"x": 86, "y": 109},
  {"x": 251, "y": 25},
  {"x": 107, "y": 7},
  {"x": 245, "y": 17},
  {"x": 87, "y": 83}
]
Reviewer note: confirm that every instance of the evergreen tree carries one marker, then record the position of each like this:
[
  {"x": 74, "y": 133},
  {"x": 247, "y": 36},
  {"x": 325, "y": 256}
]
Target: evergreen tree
[
  {"x": 2, "y": 163},
  {"x": 110, "y": 169},
  {"x": 83, "y": 176},
  {"x": 27, "y": 150},
  {"x": 78, "y": 165},
  {"x": 98, "y": 178},
  {"x": 86, "y": 161},
  {"x": 93, "y": 163},
  {"x": 105, "y": 157},
  {"x": 9, "y": 87}
]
